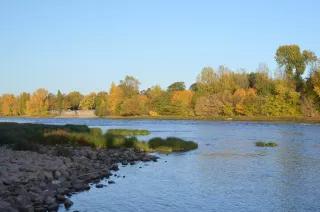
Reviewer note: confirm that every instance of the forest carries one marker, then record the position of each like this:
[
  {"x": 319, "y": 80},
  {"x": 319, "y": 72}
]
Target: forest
[{"x": 292, "y": 91}]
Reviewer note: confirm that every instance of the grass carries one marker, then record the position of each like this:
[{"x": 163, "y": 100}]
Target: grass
[
  {"x": 171, "y": 144},
  {"x": 128, "y": 132},
  {"x": 29, "y": 136},
  {"x": 266, "y": 144}
]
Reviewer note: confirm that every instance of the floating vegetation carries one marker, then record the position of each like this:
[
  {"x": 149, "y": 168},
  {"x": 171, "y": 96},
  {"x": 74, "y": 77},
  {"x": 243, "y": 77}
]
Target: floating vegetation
[
  {"x": 266, "y": 144},
  {"x": 171, "y": 144}
]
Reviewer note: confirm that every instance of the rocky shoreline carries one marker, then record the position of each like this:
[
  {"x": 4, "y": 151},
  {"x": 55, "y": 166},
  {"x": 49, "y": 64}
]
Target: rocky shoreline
[{"x": 41, "y": 180}]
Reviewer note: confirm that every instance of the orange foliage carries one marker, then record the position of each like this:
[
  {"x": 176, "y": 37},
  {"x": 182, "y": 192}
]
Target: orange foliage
[{"x": 182, "y": 97}]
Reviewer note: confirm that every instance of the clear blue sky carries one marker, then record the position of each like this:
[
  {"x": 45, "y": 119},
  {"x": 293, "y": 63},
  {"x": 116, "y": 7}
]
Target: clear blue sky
[{"x": 85, "y": 45}]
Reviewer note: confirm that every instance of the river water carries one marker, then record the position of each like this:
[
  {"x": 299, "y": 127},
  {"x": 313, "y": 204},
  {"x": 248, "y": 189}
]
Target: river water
[{"x": 226, "y": 173}]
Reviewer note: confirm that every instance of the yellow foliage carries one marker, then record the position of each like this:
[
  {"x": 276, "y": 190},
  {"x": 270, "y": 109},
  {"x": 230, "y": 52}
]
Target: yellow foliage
[
  {"x": 115, "y": 98},
  {"x": 9, "y": 105},
  {"x": 153, "y": 113},
  {"x": 38, "y": 103},
  {"x": 182, "y": 97}
]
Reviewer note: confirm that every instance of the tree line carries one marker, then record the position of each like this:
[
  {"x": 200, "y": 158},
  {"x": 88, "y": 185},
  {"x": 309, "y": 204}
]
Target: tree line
[{"x": 220, "y": 92}]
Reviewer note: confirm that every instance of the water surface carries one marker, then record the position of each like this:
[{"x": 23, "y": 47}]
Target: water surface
[{"x": 226, "y": 173}]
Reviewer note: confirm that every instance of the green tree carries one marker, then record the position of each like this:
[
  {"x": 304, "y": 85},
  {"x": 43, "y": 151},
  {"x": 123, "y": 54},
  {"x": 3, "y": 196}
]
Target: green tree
[
  {"x": 88, "y": 102},
  {"x": 102, "y": 108},
  {"x": 294, "y": 62},
  {"x": 59, "y": 102},
  {"x": 72, "y": 100},
  {"x": 22, "y": 100},
  {"x": 176, "y": 86},
  {"x": 130, "y": 86}
]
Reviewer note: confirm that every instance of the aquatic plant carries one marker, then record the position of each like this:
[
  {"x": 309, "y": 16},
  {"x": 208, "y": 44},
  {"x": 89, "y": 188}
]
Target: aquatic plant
[
  {"x": 29, "y": 136},
  {"x": 266, "y": 144},
  {"x": 128, "y": 132},
  {"x": 171, "y": 144}
]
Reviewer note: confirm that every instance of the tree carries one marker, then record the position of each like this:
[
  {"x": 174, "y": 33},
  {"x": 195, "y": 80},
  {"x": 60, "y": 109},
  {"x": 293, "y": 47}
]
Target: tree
[
  {"x": 315, "y": 80},
  {"x": 9, "y": 105},
  {"x": 260, "y": 81},
  {"x": 88, "y": 102},
  {"x": 176, "y": 86},
  {"x": 294, "y": 62},
  {"x": 130, "y": 86},
  {"x": 115, "y": 99},
  {"x": 102, "y": 108},
  {"x": 206, "y": 80},
  {"x": 72, "y": 100},
  {"x": 38, "y": 103},
  {"x": 135, "y": 105},
  {"x": 181, "y": 102},
  {"x": 22, "y": 100},
  {"x": 59, "y": 102}
]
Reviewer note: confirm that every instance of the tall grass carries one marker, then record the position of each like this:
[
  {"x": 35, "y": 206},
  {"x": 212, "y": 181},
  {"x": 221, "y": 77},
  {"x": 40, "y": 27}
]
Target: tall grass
[
  {"x": 171, "y": 144},
  {"x": 29, "y": 136},
  {"x": 128, "y": 132}
]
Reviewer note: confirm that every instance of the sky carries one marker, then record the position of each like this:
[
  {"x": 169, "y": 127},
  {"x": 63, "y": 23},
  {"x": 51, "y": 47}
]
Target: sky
[{"x": 87, "y": 45}]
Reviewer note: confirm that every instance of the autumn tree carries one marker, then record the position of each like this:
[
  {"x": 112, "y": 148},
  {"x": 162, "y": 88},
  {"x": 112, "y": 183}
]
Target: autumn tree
[
  {"x": 102, "y": 108},
  {"x": 176, "y": 86},
  {"x": 115, "y": 99},
  {"x": 72, "y": 100},
  {"x": 9, "y": 105},
  {"x": 181, "y": 102},
  {"x": 129, "y": 86},
  {"x": 134, "y": 106},
  {"x": 22, "y": 100},
  {"x": 38, "y": 103},
  {"x": 88, "y": 102},
  {"x": 59, "y": 102}
]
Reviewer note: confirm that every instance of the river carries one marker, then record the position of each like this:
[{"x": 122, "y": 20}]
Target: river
[{"x": 226, "y": 173}]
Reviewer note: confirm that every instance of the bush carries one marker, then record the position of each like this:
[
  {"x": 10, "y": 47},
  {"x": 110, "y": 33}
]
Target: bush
[
  {"x": 266, "y": 144},
  {"x": 171, "y": 144}
]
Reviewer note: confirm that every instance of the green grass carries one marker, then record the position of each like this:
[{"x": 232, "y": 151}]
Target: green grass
[
  {"x": 266, "y": 144},
  {"x": 171, "y": 144},
  {"x": 29, "y": 136},
  {"x": 128, "y": 132}
]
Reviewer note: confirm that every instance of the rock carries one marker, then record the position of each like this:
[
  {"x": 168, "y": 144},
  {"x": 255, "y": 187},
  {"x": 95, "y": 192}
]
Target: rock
[
  {"x": 50, "y": 200},
  {"x": 48, "y": 176},
  {"x": 60, "y": 198},
  {"x": 99, "y": 186},
  {"x": 56, "y": 174},
  {"x": 114, "y": 167},
  {"x": 111, "y": 182},
  {"x": 68, "y": 203},
  {"x": 53, "y": 207},
  {"x": 38, "y": 181}
]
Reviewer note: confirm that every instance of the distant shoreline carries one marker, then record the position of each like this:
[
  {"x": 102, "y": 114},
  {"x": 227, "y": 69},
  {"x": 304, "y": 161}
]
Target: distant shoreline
[{"x": 298, "y": 119}]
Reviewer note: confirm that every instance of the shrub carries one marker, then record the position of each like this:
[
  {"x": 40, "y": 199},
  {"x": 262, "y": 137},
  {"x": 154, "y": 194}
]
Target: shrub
[
  {"x": 266, "y": 144},
  {"x": 172, "y": 144}
]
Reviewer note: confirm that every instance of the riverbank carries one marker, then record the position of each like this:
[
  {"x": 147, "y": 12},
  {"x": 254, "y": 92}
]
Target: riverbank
[
  {"x": 41, "y": 180},
  {"x": 298, "y": 119}
]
